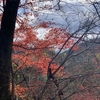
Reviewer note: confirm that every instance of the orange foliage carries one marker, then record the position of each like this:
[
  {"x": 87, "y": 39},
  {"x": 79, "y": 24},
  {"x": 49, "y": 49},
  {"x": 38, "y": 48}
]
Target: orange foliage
[
  {"x": 29, "y": 51},
  {"x": 44, "y": 25},
  {"x": 32, "y": 49},
  {"x": 57, "y": 37},
  {"x": 75, "y": 48},
  {"x": 20, "y": 91}
]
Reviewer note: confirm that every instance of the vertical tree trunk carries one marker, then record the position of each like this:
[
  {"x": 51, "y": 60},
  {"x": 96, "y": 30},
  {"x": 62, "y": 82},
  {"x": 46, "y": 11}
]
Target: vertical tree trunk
[{"x": 6, "y": 40}]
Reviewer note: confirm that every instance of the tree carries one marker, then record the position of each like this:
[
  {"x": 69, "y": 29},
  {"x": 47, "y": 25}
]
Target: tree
[
  {"x": 39, "y": 56},
  {"x": 58, "y": 65},
  {"x": 6, "y": 41}
]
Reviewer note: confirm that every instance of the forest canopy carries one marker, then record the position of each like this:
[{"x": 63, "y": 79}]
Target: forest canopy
[{"x": 49, "y": 50}]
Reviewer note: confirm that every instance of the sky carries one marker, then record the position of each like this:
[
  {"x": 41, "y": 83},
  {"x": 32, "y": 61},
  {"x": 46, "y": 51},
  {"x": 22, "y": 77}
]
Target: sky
[{"x": 72, "y": 15}]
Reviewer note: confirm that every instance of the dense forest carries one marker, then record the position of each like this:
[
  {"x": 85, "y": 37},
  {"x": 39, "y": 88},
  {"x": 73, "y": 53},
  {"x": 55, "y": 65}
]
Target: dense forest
[{"x": 49, "y": 50}]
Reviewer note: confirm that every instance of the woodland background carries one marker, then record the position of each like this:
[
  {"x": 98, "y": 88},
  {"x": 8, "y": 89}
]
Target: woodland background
[{"x": 49, "y": 50}]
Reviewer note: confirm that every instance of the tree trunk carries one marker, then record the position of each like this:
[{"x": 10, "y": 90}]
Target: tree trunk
[{"x": 6, "y": 40}]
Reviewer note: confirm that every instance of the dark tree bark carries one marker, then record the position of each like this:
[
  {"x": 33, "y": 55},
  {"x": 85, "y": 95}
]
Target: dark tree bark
[{"x": 6, "y": 41}]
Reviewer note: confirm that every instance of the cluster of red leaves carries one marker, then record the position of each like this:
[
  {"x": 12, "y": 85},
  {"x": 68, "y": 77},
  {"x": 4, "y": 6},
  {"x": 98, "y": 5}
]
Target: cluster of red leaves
[
  {"x": 29, "y": 51},
  {"x": 39, "y": 62},
  {"x": 19, "y": 90},
  {"x": 32, "y": 49},
  {"x": 43, "y": 24},
  {"x": 57, "y": 37}
]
